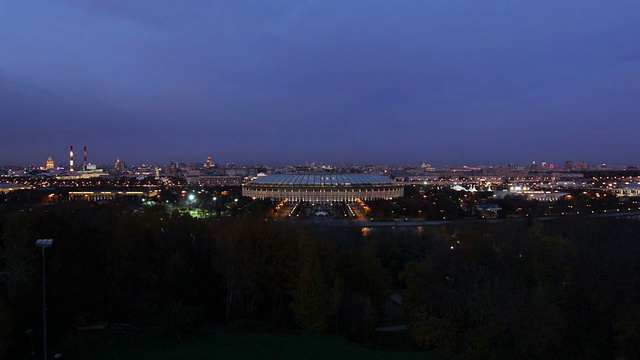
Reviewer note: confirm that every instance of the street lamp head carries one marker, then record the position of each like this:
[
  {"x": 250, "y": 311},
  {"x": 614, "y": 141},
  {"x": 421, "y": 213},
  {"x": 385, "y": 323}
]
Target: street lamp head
[
  {"x": 44, "y": 243},
  {"x": 192, "y": 197}
]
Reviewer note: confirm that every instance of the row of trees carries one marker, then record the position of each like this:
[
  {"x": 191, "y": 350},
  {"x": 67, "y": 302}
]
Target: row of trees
[
  {"x": 110, "y": 263},
  {"x": 567, "y": 289}
]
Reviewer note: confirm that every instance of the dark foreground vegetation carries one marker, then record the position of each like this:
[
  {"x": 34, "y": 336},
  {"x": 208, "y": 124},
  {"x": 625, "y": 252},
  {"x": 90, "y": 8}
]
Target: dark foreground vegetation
[
  {"x": 564, "y": 289},
  {"x": 231, "y": 344}
]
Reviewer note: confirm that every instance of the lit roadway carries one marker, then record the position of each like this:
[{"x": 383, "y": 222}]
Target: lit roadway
[{"x": 413, "y": 223}]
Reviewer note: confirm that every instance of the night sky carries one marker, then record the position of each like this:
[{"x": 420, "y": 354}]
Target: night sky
[{"x": 291, "y": 82}]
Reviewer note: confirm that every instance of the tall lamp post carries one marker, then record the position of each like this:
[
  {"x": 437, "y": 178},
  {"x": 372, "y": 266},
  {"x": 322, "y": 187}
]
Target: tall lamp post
[
  {"x": 190, "y": 199},
  {"x": 43, "y": 244}
]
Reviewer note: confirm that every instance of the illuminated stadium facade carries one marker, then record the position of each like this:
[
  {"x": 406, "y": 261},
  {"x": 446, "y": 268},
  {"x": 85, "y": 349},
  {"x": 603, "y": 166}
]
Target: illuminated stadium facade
[{"x": 322, "y": 188}]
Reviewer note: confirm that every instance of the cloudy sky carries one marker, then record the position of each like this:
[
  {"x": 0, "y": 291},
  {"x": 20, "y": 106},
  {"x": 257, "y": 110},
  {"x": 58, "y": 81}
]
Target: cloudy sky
[{"x": 291, "y": 82}]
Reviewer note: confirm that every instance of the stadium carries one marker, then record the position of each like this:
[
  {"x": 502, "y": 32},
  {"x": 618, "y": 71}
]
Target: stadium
[{"x": 322, "y": 188}]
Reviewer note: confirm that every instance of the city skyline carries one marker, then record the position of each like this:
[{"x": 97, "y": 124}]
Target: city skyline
[
  {"x": 366, "y": 82},
  {"x": 81, "y": 162}
]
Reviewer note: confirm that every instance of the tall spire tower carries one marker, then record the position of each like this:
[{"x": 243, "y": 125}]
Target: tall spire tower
[
  {"x": 71, "y": 158},
  {"x": 84, "y": 165}
]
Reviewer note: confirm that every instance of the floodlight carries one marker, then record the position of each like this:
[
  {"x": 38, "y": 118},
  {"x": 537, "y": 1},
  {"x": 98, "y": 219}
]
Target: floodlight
[{"x": 44, "y": 243}]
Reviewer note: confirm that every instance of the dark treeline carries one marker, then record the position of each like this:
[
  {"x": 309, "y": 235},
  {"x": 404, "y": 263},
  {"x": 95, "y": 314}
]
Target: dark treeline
[
  {"x": 112, "y": 264},
  {"x": 568, "y": 289}
]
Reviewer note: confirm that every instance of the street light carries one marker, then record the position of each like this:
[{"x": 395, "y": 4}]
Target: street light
[
  {"x": 43, "y": 244},
  {"x": 191, "y": 198}
]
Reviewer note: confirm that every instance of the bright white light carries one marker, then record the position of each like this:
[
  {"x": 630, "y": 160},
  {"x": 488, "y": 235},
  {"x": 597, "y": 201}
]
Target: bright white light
[{"x": 192, "y": 197}]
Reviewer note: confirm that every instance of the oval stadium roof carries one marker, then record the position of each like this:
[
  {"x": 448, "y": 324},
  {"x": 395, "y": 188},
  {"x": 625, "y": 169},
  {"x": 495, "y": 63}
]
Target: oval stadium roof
[{"x": 322, "y": 179}]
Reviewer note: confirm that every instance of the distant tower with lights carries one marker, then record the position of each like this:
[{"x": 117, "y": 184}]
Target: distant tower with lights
[
  {"x": 84, "y": 164},
  {"x": 119, "y": 166},
  {"x": 71, "y": 158},
  {"x": 209, "y": 163},
  {"x": 50, "y": 164}
]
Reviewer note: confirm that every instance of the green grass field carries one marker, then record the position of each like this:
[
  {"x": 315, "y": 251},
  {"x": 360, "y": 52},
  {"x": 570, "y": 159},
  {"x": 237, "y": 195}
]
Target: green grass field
[{"x": 211, "y": 344}]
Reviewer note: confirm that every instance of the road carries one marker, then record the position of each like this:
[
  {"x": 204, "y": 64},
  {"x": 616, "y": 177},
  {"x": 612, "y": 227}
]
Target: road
[{"x": 415, "y": 223}]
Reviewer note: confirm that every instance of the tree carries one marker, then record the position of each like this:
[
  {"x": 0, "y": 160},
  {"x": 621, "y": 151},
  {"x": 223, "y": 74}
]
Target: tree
[
  {"x": 317, "y": 292},
  {"x": 365, "y": 289},
  {"x": 230, "y": 259},
  {"x": 17, "y": 252}
]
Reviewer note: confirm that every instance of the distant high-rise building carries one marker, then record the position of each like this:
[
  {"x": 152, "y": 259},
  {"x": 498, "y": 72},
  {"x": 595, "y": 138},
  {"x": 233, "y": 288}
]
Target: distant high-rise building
[
  {"x": 568, "y": 165},
  {"x": 50, "y": 164},
  {"x": 119, "y": 166},
  {"x": 209, "y": 163},
  {"x": 427, "y": 167},
  {"x": 582, "y": 165}
]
